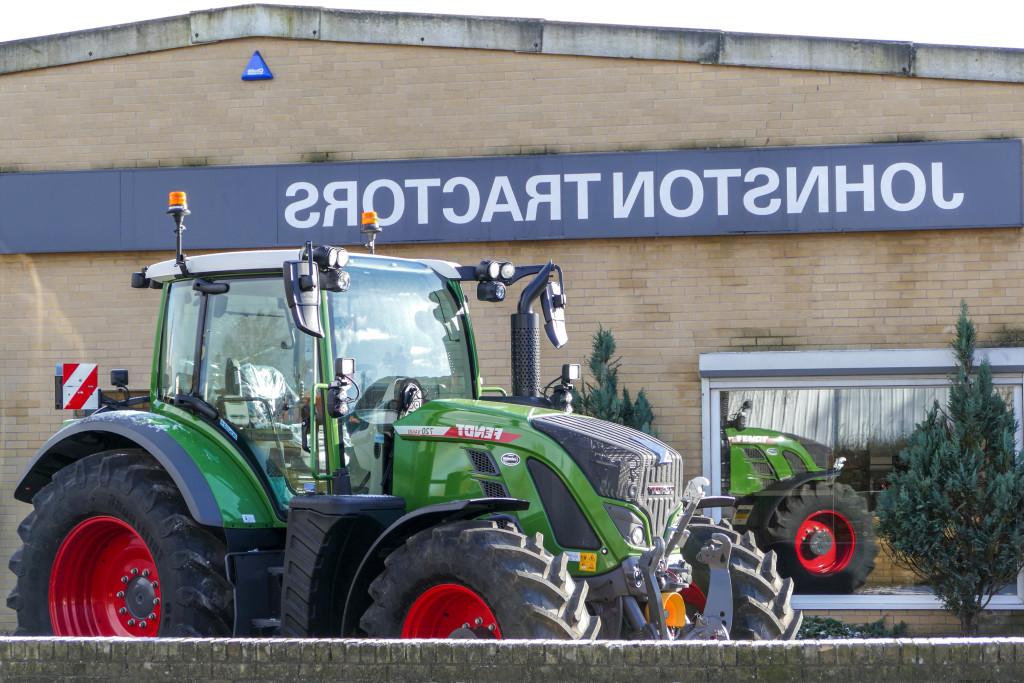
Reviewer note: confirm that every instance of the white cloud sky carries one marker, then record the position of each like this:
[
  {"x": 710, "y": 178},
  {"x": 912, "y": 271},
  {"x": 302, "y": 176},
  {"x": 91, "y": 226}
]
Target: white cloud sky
[{"x": 978, "y": 22}]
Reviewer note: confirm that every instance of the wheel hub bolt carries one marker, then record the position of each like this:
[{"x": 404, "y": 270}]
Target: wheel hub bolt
[
  {"x": 145, "y": 572},
  {"x": 131, "y": 622},
  {"x": 479, "y": 621},
  {"x": 156, "y": 584},
  {"x": 123, "y": 610},
  {"x": 466, "y": 625},
  {"x": 142, "y": 624},
  {"x": 490, "y": 627},
  {"x": 124, "y": 579},
  {"x": 152, "y": 616},
  {"x": 120, "y": 594},
  {"x": 156, "y": 601},
  {"x": 135, "y": 572}
]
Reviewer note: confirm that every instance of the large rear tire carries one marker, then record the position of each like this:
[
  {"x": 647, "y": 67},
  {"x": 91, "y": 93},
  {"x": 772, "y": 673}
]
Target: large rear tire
[
  {"x": 761, "y": 598},
  {"x": 824, "y": 537},
  {"x": 111, "y": 550},
  {"x": 477, "y": 579}
]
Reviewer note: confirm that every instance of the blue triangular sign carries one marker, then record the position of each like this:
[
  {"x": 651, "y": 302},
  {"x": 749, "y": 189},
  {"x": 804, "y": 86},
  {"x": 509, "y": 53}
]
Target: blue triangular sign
[{"x": 256, "y": 69}]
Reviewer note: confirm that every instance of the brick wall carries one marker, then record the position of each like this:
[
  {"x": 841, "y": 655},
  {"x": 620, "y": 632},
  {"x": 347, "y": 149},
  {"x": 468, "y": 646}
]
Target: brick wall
[
  {"x": 666, "y": 300},
  {"x": 358, "y": 661}
]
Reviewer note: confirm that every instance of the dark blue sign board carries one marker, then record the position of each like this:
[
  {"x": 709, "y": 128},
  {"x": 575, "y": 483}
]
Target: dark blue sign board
[
  {"x": 908, "y": 186},
  {"x": 257, "y": 69}
]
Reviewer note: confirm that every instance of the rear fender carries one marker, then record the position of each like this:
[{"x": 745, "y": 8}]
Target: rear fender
[
  {"x": 396, "y": 534},
  {"x": 767, "y": 500},
  {"x": 218, "y": 490}
]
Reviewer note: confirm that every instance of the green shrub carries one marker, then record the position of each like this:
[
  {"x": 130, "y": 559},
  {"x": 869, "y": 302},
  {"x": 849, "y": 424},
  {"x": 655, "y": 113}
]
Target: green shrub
[
  {"x": 952, "y": 512},
  {"x": 821, "y": 628},
  {"x": 601, "y": 399}
]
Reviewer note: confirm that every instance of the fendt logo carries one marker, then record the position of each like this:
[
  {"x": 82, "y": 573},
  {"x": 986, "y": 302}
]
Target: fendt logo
[{"x": 477, "y": 432}]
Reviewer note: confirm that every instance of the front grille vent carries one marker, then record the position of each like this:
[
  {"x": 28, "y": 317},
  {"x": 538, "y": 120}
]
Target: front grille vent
[
  {"x": 493, "y": 489},
  {"x": 621, "y": 463},
  {"x": 759, "y": 463},
  {"x": 482, "y": 462},
  {"x": 794, "y": 462}
]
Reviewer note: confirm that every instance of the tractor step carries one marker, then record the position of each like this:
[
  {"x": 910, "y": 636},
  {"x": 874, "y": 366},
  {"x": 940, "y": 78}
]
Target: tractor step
[{"x": 327, "y": 539}]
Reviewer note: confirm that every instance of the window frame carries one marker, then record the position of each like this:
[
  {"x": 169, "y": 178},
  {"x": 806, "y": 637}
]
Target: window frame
[{"x": 848, "y": 369}]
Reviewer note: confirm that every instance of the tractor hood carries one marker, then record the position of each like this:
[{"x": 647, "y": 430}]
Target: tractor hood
[{"x": 821, "y": 453}]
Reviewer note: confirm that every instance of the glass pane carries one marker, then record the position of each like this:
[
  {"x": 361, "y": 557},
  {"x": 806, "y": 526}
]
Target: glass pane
[
  {"x": 179, "y": 345},
  {"x": 398, "y": 321},
  {"x": 777, "y": 447},
  {"x": 258, "y": 370}
]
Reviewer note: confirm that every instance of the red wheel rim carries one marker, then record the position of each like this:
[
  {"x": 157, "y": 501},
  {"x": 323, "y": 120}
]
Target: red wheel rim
[
  {"x": 104, "y": 582},
  {"x": 820, "y": 529},
  {"x": 446, "y": 608}
]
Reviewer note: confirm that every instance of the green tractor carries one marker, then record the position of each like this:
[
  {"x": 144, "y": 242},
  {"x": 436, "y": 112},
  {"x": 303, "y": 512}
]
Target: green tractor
[
  {"x": 317, "y": 456},
  {"x": 787, "y": 495}
]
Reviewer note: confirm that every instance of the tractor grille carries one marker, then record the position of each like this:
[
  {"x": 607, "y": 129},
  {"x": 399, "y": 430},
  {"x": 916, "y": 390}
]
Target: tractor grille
[
  {"x": 762, "y": 468},
  {"x": 621, "y": 463},
  {"x": 794, "y": 462},
  {"x": 493, "y": 489},
  {"x": 482, "y": 462}
]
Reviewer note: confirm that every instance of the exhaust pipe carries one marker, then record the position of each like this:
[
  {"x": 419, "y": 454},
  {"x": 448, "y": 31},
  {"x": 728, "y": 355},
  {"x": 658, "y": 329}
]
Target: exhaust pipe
[{"x": 525, "y": 353}]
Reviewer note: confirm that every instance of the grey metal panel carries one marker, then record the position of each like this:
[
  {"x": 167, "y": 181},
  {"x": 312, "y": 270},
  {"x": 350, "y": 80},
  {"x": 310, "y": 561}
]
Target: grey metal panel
[
  {"x": 521, "y": 35},
  {"x": 634, "y": 42},
  {"x": 254, "y": 20},
  {"x": 968, "y": 63},
  {"x": 820, "y": 54},
  {"x": 525, "y": 197}
]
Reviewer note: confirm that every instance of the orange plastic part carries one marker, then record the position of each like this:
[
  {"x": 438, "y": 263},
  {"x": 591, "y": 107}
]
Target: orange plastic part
[{"x": 369, "y": 217}]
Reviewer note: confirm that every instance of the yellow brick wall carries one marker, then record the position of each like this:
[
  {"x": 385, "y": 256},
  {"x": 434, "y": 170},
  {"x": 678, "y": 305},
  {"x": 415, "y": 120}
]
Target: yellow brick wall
[{"x": 666, "y": 300}]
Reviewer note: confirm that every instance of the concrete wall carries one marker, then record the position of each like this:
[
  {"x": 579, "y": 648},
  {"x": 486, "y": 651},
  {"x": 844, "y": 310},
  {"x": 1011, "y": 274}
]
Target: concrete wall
[
  {"x": 512, "y": 661},
  {"x": 666, "y": 300}
]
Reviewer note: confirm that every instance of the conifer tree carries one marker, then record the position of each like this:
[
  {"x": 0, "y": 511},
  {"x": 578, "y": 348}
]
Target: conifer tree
[
  {"x": 601, "y": 399},
  {"x": 954, "y": 510}
]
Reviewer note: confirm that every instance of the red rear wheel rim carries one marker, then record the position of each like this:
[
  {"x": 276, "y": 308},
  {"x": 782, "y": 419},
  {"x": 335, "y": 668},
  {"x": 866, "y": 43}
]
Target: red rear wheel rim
[
  {"x": 820, "y": 528},
  {"x": 446, "y": 608},
  {"x": 104, "y": 582}
]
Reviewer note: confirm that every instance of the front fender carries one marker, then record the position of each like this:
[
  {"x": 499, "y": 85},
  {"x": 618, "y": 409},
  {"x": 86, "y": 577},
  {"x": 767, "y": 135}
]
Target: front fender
[{"x": 218, "y": 489}]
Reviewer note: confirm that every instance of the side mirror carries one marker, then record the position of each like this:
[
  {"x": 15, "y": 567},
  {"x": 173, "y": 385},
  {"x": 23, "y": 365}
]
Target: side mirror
[
  {"x": 302, "y": 292},
  {"x": 552, "y": 301}
]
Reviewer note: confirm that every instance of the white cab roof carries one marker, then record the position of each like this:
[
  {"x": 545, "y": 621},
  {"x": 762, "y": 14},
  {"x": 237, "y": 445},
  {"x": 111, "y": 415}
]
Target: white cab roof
[{"x": 269, "y": 259}]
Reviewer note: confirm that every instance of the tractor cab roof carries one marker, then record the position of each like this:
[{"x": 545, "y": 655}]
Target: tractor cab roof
[{"x": 269, "y": 260}]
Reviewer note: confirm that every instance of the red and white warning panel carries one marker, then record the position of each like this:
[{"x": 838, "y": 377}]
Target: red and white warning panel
[{"x": 80, "y": 386}]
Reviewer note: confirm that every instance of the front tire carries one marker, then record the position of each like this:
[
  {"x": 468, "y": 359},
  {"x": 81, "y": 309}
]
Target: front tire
[
  {"x": 761, "y": 598},
  {"x": 824, "y": 537},
  {"x": 477, "y": 579},
  {"x": 111, "y": 550}
]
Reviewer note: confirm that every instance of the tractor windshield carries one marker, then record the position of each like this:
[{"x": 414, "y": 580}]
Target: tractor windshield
[{"x": 400, "y": 321}]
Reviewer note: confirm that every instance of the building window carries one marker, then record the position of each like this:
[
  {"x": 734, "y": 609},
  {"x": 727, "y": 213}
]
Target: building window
[{"x": 806, "y": 441}]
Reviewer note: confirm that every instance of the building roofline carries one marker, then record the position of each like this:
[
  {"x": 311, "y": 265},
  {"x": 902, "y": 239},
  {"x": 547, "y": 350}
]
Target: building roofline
[{"x": 891, "y": 58}]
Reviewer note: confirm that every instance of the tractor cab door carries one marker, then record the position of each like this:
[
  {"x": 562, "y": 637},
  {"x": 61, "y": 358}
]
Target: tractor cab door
[{"x": 258, "y": 371}]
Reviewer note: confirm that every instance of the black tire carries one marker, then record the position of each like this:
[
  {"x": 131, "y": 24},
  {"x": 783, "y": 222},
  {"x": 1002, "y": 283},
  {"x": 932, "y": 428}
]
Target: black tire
[
  {"x": 528, "y": 590},
  {"x": 130, "y": 486},
  {"x": 780, "y": 534},
  {"x": 761, "y": 598}
]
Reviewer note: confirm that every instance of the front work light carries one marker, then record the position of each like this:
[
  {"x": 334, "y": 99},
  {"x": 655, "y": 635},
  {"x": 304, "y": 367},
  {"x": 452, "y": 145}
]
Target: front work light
[{"x": 507, "y": 271}]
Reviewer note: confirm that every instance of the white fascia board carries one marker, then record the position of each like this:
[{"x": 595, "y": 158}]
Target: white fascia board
[
  {"x": 849, "y": 362},
  {"x": 266, "y": 259},
  {"x": 222, "y": 263}
]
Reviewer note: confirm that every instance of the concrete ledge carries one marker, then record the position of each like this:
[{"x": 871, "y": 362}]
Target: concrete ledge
[
  {"x": 170, "y": 659},
  {"x": 518, "y": 35}
]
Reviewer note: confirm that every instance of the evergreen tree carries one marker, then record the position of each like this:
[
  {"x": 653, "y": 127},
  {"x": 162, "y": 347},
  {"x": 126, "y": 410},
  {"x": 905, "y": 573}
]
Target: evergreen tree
[
  {"x": 601, "y": 399},
  {"x": 954, "y": 510}
]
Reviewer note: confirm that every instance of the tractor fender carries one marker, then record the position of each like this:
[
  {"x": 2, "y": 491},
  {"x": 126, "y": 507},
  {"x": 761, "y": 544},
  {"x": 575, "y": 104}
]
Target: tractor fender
[
  {"x": 767, "y": 500},
  {"x": 395, "y": 535},
  {"x": 123, "y": 429}
]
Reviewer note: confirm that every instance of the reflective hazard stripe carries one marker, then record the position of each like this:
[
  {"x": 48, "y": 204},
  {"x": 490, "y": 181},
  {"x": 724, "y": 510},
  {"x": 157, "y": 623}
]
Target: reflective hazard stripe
[{"x": 79, "y": 385}]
